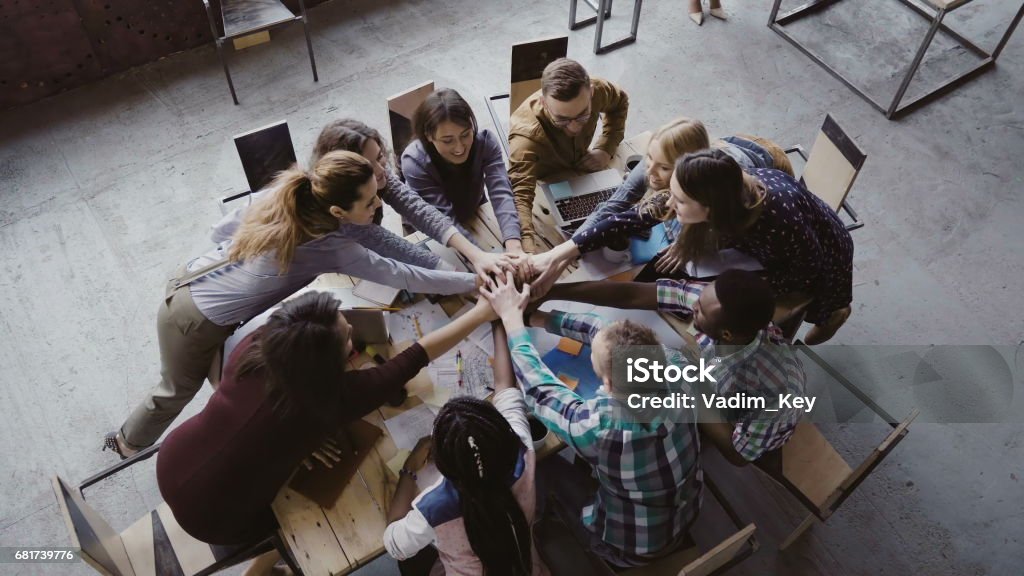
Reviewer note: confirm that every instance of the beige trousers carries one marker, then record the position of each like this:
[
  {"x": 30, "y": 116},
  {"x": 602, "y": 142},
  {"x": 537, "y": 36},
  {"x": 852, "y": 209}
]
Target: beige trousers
[{"x": 188, "y": 344}]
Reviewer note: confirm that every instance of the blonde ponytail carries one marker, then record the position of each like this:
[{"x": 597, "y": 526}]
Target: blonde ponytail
[{"x": 297, "y": 209}]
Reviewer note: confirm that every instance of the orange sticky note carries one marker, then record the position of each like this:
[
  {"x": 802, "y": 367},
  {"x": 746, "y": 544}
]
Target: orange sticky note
[
  {"x": 570, "y": 346},
  {"x": 570, "y": 381}
]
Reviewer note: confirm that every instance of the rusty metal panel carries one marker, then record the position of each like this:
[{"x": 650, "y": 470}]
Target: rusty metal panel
[
  {"x": 43, "y": 50},
  {"x": 126, "y": 33}
]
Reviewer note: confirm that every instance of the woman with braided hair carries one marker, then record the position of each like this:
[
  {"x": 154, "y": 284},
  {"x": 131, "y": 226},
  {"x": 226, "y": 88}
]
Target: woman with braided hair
[{"x": 479, "y": 513}]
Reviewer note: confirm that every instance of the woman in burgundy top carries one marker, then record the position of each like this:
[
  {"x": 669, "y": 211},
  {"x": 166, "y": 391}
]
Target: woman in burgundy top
[{"x": 284, "y": 390}]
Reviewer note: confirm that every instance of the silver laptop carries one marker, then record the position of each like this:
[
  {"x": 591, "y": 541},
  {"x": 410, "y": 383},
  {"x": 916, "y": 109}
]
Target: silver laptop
[{"x": 573, "y": 200}]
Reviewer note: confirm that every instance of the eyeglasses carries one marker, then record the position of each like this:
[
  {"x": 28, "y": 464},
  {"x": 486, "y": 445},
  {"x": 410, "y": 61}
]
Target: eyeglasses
[{"x": 563, "y": 122}]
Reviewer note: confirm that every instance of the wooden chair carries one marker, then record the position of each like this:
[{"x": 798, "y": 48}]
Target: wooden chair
[
  {"x": 832, "y": 167},
  {"x": 810, "y": 469},
  {"x": 689, "y": 561},
  {"x": 244, "y": 17},
  {"x": 528, "y": 62},
  {"x": 401, "y": 108},
  {"x": 155, "y": 544},
  {"x": 263, "y": 152}
]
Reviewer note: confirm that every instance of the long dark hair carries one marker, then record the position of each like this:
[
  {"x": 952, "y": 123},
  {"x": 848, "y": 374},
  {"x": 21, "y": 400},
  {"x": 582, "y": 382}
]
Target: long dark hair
[
  {"x": 347, "y": 134},
  {"x": 715, "y": 180},
  {"x": 443, "y": 105},
  {"x": 301, "y": 353},
  {"x": 477, "y": 451}
]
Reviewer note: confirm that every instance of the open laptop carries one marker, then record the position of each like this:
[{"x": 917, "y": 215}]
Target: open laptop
[{"x": 573, "y": 200}]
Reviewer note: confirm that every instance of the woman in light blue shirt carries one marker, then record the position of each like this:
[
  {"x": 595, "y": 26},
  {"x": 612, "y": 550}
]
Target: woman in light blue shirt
[
  {"x": 452, "y": 159},
  {"x": 289, "y": 236}
]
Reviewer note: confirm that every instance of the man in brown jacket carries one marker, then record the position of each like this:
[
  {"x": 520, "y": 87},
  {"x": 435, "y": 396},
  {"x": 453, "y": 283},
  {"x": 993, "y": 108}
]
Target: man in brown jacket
[{"x": 552, "y": 131}]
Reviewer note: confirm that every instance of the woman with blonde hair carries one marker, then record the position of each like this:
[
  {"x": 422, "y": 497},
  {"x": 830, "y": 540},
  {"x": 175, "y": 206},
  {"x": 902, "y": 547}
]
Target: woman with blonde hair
[
  {"x": 671, "y": 142},
  {"x": 641, "y": 202},
  {"x": 285, "y": 239}
]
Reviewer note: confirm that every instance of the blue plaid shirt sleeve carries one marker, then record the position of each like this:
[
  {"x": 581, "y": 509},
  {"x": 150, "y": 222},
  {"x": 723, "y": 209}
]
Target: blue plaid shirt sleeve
[
  {"x": 678, "y": 297},
  {"x": 580, "y": 327},
  {"x": 560, "y": 409}
]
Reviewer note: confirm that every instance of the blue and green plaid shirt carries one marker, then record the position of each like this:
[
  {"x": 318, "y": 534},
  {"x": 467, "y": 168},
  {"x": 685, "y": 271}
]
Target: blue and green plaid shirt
[
  {"x": 767, "y": 367},
  {"x": 649, "y": 475}
]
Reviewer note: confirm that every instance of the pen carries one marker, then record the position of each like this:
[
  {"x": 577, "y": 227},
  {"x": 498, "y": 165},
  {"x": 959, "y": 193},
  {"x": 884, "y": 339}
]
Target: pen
[{"x": 458, "y": 366}]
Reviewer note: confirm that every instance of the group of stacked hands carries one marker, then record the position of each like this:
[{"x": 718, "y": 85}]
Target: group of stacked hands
[{"x": 284, "y": 388}]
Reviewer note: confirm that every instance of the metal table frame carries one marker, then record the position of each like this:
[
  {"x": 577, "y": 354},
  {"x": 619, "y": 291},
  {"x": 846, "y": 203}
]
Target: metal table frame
[
  {"x": 896, "y": 108},
  {"x": 603, "y": 10}
]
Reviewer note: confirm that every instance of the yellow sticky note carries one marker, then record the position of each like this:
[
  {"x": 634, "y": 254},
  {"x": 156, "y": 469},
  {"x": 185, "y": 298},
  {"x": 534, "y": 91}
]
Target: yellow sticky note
[
  {"x": 570, "y": 381},
  {"x": 570, "y": 346},
  {"x": 395, "y": 464}
]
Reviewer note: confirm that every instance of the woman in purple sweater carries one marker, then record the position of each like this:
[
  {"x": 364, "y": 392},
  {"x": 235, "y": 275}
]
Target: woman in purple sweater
[
  {"x": 452, "y": 159},
  {"x": 285, "y": 390}
]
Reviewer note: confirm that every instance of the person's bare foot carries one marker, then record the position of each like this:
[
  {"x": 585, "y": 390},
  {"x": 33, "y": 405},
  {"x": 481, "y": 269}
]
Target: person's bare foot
[{"x": 824, "y": 332}]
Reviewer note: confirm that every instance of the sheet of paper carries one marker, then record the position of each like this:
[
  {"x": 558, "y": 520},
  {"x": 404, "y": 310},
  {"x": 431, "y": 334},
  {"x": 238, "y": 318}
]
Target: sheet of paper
[
  {"x": 482, "y": 336},
  {"x": 448, "y": 255},
  {"x": 380, "y": 294},
  {"x": 477, "y": 373},
  {"x": 423, "y": 315},
  {"x": 409, "y": 426},
  {"x": 437, "y": 396},
  {"x": 724, "y": 260},
  {"x": 594, "y": 266},
  {"x": 396, "y": 463}
]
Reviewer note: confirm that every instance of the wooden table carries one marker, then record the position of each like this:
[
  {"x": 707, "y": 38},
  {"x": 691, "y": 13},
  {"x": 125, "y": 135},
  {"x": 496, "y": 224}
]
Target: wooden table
[{"x": 348, "y": 535}]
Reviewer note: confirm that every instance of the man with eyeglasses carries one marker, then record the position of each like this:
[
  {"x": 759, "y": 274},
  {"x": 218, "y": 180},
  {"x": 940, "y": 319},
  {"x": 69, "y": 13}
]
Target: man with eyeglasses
[{"x": 553, "y": 131}]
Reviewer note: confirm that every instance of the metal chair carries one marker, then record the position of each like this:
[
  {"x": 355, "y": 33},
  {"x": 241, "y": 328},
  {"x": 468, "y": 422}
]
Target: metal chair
[
  {"x": 896, "y": 107},
  {"x": 528, "y": 62},
  {"x": 153, "y": 545},
  {"x": 244, "y": 17},
  {"x": 263, "y": 152},
  {"x": 832, "y": 167},
  {"x": 603, "y": 11}
]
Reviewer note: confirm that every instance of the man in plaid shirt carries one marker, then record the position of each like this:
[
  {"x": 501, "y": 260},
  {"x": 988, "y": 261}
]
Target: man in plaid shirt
[
  {"x": 732, "y": 317},
  {"x": 649, "y": 479}
]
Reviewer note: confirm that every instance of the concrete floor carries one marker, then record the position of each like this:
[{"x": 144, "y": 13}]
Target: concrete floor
[{"x": 107, "y": 188}]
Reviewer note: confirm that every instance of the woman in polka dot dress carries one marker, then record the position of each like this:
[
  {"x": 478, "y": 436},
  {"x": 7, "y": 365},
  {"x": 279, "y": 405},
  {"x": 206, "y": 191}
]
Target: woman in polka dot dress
[{"x": 805, "y": 249}]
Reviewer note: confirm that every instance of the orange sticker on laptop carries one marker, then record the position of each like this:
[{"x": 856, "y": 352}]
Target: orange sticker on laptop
[{"x": 570, "y": 346}]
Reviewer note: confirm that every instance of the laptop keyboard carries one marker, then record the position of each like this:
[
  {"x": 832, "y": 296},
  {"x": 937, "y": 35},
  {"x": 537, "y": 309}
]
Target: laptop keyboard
[{"x": 579, "y": 207}]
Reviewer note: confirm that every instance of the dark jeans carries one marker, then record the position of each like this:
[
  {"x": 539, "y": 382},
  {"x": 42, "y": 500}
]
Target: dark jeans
[
  {"x": 420, "y": 564},
  {"x": 573, "y": 487}
]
